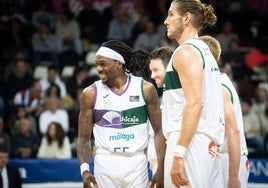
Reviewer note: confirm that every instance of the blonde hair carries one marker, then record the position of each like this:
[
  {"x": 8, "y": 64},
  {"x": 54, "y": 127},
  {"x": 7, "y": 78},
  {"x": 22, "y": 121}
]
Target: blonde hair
[{"x": 213, "y": 45}]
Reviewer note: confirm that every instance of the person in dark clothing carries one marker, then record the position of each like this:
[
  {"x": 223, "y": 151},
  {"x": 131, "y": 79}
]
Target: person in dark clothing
[
  {"x": 25, "y": 143},
  {"x": 19, "y": 79},
  {"x": 89, "y": 19},
  {"x": 9, "y": 176}
]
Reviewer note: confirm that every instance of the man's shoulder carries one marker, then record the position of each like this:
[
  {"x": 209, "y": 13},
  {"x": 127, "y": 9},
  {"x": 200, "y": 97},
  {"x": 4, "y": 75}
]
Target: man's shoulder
[{"x": 12, "y": 169}]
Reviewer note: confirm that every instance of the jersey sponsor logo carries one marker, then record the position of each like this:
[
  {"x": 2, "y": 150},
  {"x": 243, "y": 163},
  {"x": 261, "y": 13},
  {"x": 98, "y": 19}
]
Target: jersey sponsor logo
[
  {"x": 247, "y": 165},
  {"x": 130, "y": 120},
  {"x": 213, "y": 149},
  {"x": 206, "y": 51},
  {"x": 122, "y": 136},
  {"x": 121, "y": 119},
  {"x": 214, "y": 69},
  {"x": 134, "y": 98}
]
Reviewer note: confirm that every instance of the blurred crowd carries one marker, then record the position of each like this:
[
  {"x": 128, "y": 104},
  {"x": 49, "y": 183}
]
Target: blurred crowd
[{"x": 47, "y": 58}]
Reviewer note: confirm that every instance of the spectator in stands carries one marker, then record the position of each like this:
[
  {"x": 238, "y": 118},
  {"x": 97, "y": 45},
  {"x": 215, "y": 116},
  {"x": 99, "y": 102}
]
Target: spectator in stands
[
  {"x": 121, "y": 26},
  {"x": 24, "y": 143},
  {"x": 55, "y": 143},
  {"x": 53, "y": 90},
  {"x": 161, "y": 29},
  {"x": 4, "y": 137},
  {"x": 260, "y": 99},
  {"x": 10, "y": 176},
  {"x": 73, "y": 117},
  {"x": 149, "y": 39},
  {"x": 18, "y": 36},
  {"x": 10, "y": 12},
  {"x": 11, "y": 61},
  {"x": 53, "y": 113},
  {"x": 107, "y": 15},
  {"x": 171, "y": 43},
  {"x": 139, "y": 26},
  {"x": 45, "y": 45},
  {"x": 19, "y": 79},
  {"x": 19, "y": 112},
  {"x": 256, "y": 57},
  {"x": 31, "y": 99},
  {"x": 137, "y": 10},
  {"x": 44, "y": 11},
  {"x": 66, "y": 102},
  {"x": 68, "y": 33},
  {"x": 3, "y": 92},
  {"x": 74, "y": 82},
  {"x": 89, "y": 22},
  {"x": 234, "y": 56},
  {"x": 264, "y": 122},
  {"x": 260, "y": 107},
  {"x": 53, "y": 77},
  {"x": 227, "y": 69},
  {"x": 226, "y": 35},
  {"x": 252, "y": 128},
  {"x": 4, "y": 33}
]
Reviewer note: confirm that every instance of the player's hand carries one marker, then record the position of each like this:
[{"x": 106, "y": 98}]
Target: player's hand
[
  {"x": 234, "y": 182},
  {"x": 89, "y": 180},
  {"x": 178, "y": 177},
  {"x": 158, "y": 179}
]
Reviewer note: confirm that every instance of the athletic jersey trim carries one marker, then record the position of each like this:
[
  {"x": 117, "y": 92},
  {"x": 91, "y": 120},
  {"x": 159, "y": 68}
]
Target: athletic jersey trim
[
  {"x": 203, "y": 59},
  {"x": 229, "y": 92}
]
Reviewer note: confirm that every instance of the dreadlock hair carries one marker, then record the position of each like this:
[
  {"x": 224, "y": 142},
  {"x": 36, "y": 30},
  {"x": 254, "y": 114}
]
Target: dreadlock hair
[{"x": 136, "y": 61}]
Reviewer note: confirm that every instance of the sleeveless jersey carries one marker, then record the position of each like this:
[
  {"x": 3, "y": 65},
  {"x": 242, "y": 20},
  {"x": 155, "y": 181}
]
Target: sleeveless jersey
[
  {"x": 211, "y": 121},
  {"x": 120, "y": 120},
  {"x": 226, "y": 82}
]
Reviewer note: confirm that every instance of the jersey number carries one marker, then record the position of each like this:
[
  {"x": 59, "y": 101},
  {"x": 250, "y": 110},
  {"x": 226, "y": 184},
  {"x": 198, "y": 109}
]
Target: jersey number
[{"x": 120, "y": 149}]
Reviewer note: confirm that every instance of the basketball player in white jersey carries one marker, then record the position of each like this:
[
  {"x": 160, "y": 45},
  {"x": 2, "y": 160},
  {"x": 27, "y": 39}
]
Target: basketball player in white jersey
[
  {"x": 117, "y": 109},
  {"x": 159, "y": 59},
  {"x": 235, "y": 165},
  {"x": 192, "y": 113}
]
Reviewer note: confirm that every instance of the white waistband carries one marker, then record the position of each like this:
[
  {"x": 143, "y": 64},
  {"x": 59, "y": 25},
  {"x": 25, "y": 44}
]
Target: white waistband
[{"x": 129, "y": 154}]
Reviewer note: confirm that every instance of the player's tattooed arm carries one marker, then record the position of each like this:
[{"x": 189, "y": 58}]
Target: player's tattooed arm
[
  {"x": 154, "y": 114},
  {"x": 85, "y": 125}
]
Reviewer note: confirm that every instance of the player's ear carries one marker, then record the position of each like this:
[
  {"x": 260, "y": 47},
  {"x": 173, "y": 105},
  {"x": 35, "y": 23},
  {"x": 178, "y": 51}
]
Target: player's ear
[{"x": 187, "y": 17}]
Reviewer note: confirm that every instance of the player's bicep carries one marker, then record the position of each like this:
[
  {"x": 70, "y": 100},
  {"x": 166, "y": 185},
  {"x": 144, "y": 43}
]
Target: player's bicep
[
  {"x": 229, "y": 114},
  {"x": 189, "y": 65},
  {"x": 153, "y": 107},
  {"x": 85, "y": 119}
]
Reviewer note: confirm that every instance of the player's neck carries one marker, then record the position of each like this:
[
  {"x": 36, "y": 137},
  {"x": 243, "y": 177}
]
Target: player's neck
[
  {"x": 120, "y": 84},
  {"x": 188, "y": 33}
]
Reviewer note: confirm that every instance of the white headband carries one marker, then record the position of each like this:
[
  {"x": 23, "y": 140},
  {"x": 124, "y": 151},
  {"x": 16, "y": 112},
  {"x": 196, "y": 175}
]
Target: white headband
[{"x": 109, "y": 53}]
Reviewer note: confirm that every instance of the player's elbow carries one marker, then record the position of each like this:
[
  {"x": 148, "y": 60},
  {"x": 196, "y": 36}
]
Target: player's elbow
[
  {"x": 196, "y": 104},
  {"x": 232, "y": 129}
]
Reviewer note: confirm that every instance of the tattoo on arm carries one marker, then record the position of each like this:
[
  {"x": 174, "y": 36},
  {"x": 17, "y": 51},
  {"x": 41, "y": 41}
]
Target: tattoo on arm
[{"x": 86, "y": 150}]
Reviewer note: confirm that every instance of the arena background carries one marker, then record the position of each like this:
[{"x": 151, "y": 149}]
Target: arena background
[{"x": 247, "y": 15}]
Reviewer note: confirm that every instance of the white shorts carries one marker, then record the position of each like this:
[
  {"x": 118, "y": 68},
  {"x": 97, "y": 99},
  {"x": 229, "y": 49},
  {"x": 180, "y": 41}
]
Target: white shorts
[
  {"x": 151, "y": 155},
  {"x": 243, "y": 170},
  {"x": 117, "y": 171},
  {"x": 202, "y": 162}
]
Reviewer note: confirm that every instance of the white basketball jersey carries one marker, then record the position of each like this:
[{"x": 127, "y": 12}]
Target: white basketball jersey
[
  {"x": 211, "y": 121},
  {"x": 120, "y": 120},
  {"x": 226, "y": 82}
]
